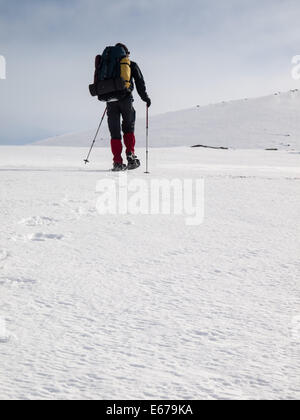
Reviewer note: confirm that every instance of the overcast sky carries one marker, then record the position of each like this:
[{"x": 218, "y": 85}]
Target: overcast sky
[{"x": 190, "y": 52}]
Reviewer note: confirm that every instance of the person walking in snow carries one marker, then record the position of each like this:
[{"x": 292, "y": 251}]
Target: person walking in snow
[{"x": 113, "y": 83}]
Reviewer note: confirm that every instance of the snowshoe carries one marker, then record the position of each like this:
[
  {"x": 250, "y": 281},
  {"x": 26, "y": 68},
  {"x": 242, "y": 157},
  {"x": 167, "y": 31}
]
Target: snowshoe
[
  {"x": 133, "y": 162},
  {"x": 119, "y": 167}
]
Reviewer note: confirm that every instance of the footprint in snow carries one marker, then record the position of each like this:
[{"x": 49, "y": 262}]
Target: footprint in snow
[
  {"x": 16, "y": 280},
  {"x": 37, "y": 221},
  {"x": 4, "y": 337},
  {"x": 44, "y": 236}
]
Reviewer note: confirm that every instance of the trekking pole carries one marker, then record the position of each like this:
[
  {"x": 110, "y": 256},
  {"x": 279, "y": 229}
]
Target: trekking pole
[
  {"x": 147, "y": 140},
  {"x": 94, "y": 141}
]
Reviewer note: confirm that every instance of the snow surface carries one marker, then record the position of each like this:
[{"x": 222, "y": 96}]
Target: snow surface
[
  {"x": 119, "y": 307},
  {"x": 267, "y": 122}
]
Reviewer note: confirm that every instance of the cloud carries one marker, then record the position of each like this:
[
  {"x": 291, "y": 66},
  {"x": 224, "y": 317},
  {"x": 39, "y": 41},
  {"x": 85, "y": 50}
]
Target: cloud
[{"x": 190, "y": 52}]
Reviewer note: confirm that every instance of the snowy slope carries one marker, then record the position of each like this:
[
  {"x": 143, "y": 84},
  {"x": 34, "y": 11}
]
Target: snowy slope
[
  {"x": 144, "y": 306},
  {"x": 267, "y": 122}
]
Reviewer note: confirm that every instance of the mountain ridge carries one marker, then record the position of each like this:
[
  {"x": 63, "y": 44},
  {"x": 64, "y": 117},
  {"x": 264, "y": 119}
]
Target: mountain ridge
[{"x": 265, "y": 122}]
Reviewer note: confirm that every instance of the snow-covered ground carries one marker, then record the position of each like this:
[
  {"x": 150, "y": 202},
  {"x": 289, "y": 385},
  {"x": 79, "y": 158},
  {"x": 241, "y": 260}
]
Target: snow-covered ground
[
  {"x": 145, "y": 306},
  {"x": 267, "y": 122}
]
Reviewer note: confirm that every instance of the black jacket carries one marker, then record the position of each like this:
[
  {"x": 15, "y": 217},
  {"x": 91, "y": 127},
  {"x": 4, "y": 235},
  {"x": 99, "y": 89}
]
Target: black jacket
[{"x": 136, "y": 77}]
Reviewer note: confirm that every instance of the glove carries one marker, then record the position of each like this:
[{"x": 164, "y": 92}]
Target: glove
[{"x": 148, "y": 102}]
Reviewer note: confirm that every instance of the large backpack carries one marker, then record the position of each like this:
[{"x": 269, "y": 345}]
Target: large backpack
[{"x": 112, "y": 75}]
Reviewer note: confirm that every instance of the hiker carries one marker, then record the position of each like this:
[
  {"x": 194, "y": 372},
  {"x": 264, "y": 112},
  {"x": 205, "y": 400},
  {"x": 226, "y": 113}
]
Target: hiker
[{"x": 113, "y": 83}]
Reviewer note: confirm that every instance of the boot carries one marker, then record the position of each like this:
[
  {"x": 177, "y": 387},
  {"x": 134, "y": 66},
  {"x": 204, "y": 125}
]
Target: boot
[
  {"x": 129, "y": 141},
  {"x": 133, "y": 161},
  {"x": 119, "y": 167}
]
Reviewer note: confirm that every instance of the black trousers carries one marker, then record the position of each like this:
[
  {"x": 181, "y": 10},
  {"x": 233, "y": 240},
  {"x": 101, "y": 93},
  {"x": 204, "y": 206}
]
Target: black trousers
[{"x": 115, "y": 110}]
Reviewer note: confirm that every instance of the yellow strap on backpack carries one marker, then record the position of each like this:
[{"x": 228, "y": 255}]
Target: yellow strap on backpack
[{"x": 126, "y": 71}]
